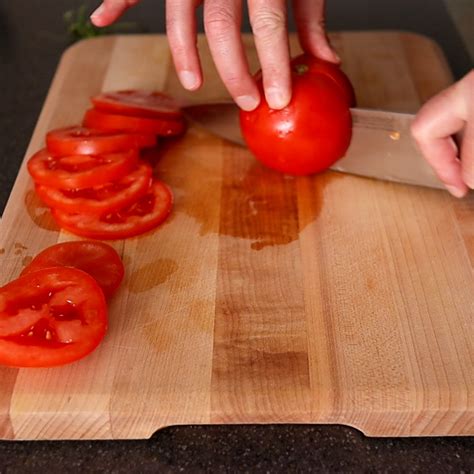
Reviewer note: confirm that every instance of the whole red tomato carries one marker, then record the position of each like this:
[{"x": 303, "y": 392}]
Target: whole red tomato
[{"x": 308, "y": 135}]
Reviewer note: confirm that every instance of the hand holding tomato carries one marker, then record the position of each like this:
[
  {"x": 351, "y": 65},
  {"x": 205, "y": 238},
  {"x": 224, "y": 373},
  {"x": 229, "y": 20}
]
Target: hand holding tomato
[
  {"x": 222, "y": 21},
  {"x": 448, "y": 113}
]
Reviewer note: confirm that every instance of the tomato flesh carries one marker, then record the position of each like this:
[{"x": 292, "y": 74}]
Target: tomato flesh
[
  {"x": 98, "y": 259},
  {"x": 50, "y": 317},
  {"x": 106, "y": 198},
  {"x": 85, "y": 141},
  {"x": 80, "y": 171},
  {"x": 145, "y": 214},
  {"x": 138, "y": 103},
  {"x": 133, "y": 124}
]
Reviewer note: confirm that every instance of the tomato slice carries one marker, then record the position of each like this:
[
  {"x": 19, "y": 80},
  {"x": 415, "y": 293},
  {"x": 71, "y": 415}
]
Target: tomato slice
[
  {"x": 100, "y": 199},
  {"x": 126, "y": 123},
  {"x": 145, "y": 214},
  {"x": 138, "y": 103},
  {"x": 80, "y": 171},
  {"x": 85, "y": 141},
  {"x": 98, "y": 259},
  {"x": 50, "y": 317}
]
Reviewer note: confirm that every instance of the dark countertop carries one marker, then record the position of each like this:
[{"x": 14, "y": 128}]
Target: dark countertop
[
  {"x": 32, "y": 37},
  {"x": 254, "y": 448}
]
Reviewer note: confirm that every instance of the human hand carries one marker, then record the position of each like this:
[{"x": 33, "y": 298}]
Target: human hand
[
  {"x": 222, "y": 20},
  {"x": 448, "y": 113}
]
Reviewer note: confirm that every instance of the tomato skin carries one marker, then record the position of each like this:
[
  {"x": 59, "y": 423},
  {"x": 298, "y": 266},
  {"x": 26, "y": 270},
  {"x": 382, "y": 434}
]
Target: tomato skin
[
  {"x": 84, "y": 141},
  {"x": 138, "y": 103},
  {"x": 97, "y": 259},
  {"x": 317, "y": 66},
  {"x": 308, "y": 135},
  {"x": 35, "y": 303},
  {"x": 147, "y": 213},
  {"x": 133, "y": 124},
  {"x": 80, "y": 171},
  {"x": 106, "y": 198}
]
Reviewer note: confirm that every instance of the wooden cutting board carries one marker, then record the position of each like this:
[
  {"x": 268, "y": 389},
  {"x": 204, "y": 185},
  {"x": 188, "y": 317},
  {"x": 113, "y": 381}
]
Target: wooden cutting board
[{"x": 263, "y": 299}]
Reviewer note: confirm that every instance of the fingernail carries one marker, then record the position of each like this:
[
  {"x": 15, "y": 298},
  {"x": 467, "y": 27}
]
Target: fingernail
[
  {"x": 455, "y": 191},
  {"x": 189, "y": 80},
  {"x": 95, "y": 17},
  {"x": 277, "y": 98},
  {"x": 247, "y": 102}
]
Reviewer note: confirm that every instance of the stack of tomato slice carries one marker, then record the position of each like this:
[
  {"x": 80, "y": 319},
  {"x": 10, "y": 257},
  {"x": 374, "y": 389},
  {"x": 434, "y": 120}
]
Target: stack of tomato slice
[
  {"x": 92, "y": 176},
  {"x": 56, "y": 311}
]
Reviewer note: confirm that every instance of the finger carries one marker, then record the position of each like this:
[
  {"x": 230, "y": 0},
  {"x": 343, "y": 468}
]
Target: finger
[
  {"x": 222, "y": 19},
  {"x": 110, "y": 10},
  {"x": 441, "y": 154},
  {"x": 268, "y": 20},
  {"x": 309, "y": 17},
  {"x": 467, "y": 146},
  {"x": 435, "y": 124},
  {"x": 182, "y": 36}
]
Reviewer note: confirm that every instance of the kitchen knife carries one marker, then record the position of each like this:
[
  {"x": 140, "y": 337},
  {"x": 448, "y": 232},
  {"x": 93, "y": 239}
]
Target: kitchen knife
[{"x": 381, "y": 145}]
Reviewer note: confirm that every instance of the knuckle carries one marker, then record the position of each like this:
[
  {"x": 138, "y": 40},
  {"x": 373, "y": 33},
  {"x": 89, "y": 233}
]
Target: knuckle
[
  {"x": 232, "y": 80},
  {"x": 266, "y": 23},
  {"x": 178, "y": 50},
  {"x": 175, "y": 41},
  {"x": 218, "y": 19}
]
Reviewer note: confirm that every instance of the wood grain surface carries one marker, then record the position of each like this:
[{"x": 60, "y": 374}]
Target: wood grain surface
[{"x": 264, "y": 298}]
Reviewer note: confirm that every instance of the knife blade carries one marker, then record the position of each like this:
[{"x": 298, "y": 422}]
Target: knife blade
[{"x": 381, "y": 145}]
